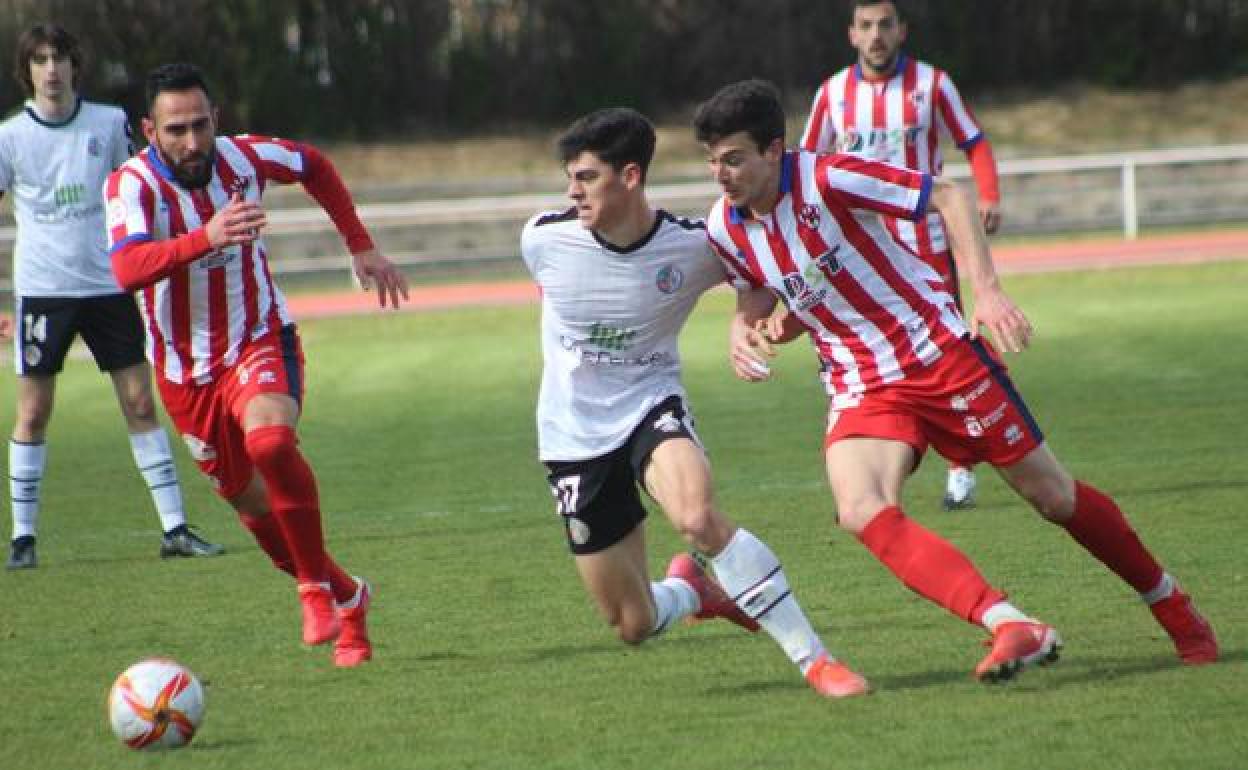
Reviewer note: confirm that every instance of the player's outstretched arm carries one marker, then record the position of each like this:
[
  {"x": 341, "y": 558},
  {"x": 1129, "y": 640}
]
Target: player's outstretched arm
[
  {"x": 372, "y": 268},
  {"x": 993, "y": 308},
  {"x": 748, "y": 346}
]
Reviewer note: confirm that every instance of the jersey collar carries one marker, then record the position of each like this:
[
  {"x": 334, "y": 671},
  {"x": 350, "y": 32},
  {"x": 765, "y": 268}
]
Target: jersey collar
[
  {"x": 34, "y": 115},
  {"x": 901, "y": 67},
  {"x": 739, "y": 214}
]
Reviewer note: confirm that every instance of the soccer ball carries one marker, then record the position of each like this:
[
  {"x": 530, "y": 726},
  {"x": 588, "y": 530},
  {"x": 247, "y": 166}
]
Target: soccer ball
[{"x": 156, "y": 704}]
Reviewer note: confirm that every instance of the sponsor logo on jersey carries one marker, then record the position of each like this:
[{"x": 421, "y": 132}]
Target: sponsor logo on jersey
[
  {"x": 604, "y": 336},
  {"x": 219, "y": 257},
  {"x": 973, "y": 427},
  {"x": 669, "y": 279},
  {"x": 69, "y": 194},
  {"x": 801, "y": 296},
  {"x": 1013, "y": 434},
  {"x": 240, "y": 185}
]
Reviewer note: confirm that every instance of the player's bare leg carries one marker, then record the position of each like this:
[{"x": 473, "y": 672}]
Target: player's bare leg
[
  {"x": 149, "y": 445},
  {"x": 1095, "y": 522},
  {"x": 28, "y": 458},
  {"x": 754, "y": 589},
  {"x": 866, "y": 476}
]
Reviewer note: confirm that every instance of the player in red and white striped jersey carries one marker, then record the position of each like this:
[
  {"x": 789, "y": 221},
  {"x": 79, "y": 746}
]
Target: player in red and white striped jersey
[
  {"x": 184, "y": 221},
  {"x": 891, "y": 107},
  {"x": 903, "y": 372}
]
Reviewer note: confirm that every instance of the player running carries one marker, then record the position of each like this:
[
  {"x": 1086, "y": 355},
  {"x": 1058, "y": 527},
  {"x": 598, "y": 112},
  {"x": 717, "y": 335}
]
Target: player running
[
  {"x": 902, "y": 369},
  {"x": 184, "y": 221},
  {"x": 892, "y": 107},
  {"x": 618, "y": 281}
]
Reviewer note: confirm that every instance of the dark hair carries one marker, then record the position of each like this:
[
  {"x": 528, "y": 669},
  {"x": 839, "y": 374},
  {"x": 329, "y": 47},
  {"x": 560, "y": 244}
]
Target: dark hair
[
  {"x": 178, "y": 76},
  {"x": 856, "y": 4},
  {"x": 617, "y": 135},
  {"x": 54, "y": 35},
  {"x": 752, "y": 106}
]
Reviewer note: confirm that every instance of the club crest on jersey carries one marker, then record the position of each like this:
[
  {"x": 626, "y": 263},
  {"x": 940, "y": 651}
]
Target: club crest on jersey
[
  {"x": 809, "y": 216},
  {"x": 801, "y": 296},
  {"x": 240, "y": 185},
  {"x": 669, "y": 279}
]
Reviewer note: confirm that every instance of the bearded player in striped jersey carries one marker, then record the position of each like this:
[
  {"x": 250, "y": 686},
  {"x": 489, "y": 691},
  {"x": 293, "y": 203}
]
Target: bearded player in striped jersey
[
  {"x": 184, "y": 221},
  {"x": 892, "y": 107},
  {"x": 54, "y": 156},
  {"x": 902, "y": 369},
  {"x": 618, "y": 280}
]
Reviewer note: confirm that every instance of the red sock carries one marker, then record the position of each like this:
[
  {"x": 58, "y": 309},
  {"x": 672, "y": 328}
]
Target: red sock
[
  {"x": 929, "y": 565},
  {"x": 269, "y": 535},
  {"x": 293, "y": 498},
  {"x": 1099, "y": 526},
  {"x": 340, "y": 583}
]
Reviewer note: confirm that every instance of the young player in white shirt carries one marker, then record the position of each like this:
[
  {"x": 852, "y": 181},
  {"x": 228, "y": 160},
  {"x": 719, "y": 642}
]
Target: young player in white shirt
[
  {"x": 54, "y": 156},
  {"x": 618, "y": 280}
]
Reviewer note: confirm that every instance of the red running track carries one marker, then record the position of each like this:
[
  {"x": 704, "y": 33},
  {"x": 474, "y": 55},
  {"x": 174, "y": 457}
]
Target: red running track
[{"x": 1104, "y": 253}]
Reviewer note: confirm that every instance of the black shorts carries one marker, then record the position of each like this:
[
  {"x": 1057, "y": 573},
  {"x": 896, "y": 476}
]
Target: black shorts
[
  {"x": 598, "y": 499},
  {"x": 45, "y": 327}
]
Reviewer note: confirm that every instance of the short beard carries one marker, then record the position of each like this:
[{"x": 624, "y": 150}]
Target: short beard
[{"x": 194, "y": 180}]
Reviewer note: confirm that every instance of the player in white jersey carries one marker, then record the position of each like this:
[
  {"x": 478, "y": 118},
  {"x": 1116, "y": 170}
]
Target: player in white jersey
[
  {"x": 892, "y": 107},
  {"x": 54, "y": 156},
  {"x": 903, "y": 371},
  {"x": 618, "y": 281}
]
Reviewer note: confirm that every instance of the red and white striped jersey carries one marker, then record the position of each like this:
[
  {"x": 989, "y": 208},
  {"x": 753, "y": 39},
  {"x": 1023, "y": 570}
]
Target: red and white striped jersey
[
  {"x": 874, "y": 312},
  {"x": 897, "y": 120},
  {"x": 200, "y": 315}
]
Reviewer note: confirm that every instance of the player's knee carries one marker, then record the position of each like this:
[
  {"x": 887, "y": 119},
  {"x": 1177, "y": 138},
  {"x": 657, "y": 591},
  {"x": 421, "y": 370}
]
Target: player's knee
[
  {"x": 271, "y": 446},
  {"x": 854, "y": 514},
  {"x": 702, "y": 527},
  {"x": 1049, "y": 498},
  {"x": 140, "y": 407}
]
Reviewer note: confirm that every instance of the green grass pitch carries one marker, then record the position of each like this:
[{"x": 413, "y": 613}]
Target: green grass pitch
[{"x": 488, "y": 655}]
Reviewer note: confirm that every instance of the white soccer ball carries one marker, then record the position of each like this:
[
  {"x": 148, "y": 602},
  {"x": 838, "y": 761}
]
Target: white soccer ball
[{"x": 156, "y": 704}]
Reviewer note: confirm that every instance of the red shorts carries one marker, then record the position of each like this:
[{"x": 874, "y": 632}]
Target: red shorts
[
  {"x": 210, "y": 416},
  {"x": 964, "y": 406}
]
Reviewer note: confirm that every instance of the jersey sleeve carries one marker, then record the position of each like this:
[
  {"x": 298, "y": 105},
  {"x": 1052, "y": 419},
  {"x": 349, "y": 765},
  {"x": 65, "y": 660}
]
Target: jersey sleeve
[
  {"x": 122, "y": 139},
  {"x": 531, "y": 245},
  {"x": 138, "y": 259},
  {"x": 859, "y": 183},
  {"x": 820, "y": 130},
  {"x": 954, "y": 115},
  {"x": 6, "y": 162},
  {"x": 286, "y": 162},
  {"x": 719, "y": 237}
]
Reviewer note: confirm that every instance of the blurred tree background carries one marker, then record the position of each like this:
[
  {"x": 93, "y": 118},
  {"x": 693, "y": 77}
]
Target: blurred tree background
[{"x": 393, "y": 69}]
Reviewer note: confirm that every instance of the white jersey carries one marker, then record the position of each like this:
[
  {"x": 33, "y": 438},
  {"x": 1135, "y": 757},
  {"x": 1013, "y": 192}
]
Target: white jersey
[
  {"x": 610, "y": 322},
  {"x": 55, "y": 173}
]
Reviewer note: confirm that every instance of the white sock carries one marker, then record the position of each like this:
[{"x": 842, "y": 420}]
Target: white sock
[
  {"x": 751, "y": 574},
  {"x": 155, "y": 461},
  {"x": 673, "y": 600},
  {"x": 354, "y": 601},
  {"x": 1004, "y": 612},
  {"x": 1165, "y": 587},
  {"x": 26, "y": 465}
]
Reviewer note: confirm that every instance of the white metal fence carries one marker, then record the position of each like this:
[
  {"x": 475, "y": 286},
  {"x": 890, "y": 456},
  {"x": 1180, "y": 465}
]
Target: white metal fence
[{"x": 1126, "y": 191}]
